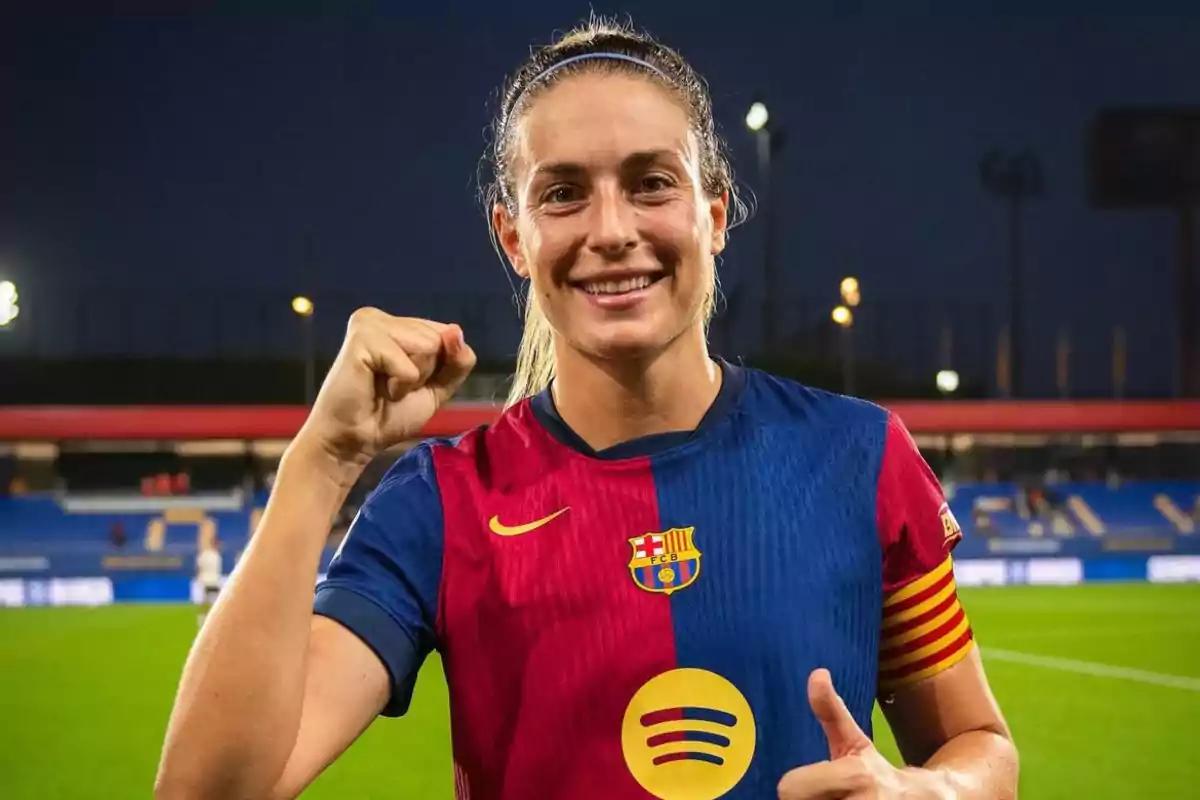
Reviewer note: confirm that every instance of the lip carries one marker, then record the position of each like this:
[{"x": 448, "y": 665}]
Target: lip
[
  {"x": 620, "y": 302},
  {"x": 618, "y": 275}
]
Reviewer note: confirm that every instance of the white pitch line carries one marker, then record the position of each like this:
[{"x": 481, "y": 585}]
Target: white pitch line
[{"x": 1092, "y": 668}]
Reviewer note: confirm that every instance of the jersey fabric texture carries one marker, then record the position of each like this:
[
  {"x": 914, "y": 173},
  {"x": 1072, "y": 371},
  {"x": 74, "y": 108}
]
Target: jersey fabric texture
[{"x": 641, "y": 622}]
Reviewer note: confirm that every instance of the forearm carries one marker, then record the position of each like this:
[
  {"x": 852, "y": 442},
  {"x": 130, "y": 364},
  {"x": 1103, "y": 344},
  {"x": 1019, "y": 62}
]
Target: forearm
[
  {"x": 240, "y": 699},
  {"x": 976, "y": 765}
]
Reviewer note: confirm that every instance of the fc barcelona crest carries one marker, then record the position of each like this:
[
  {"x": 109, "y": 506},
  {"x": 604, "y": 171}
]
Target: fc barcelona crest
[{"x": 665, "y": 562}]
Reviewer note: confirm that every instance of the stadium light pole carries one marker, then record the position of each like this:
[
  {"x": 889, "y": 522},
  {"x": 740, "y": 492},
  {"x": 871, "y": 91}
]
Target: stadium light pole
[
  {"x": 9, "y": 310},
  {"x": 851, "y": 293},
  {"x": 303, "y": 308},
  {"x": 1014, "y": 177},
  {"x": 769, "y": 139},
  {"x": 843, "y": 317}
]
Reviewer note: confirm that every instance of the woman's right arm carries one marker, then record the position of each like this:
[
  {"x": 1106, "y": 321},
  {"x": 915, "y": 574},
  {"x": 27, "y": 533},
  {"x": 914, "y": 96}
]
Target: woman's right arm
[{"x": 271, "y": 693}]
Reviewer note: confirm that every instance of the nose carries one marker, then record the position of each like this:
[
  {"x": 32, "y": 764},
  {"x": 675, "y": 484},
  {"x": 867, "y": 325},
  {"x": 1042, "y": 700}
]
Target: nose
[{"x": 612, "y": 231}]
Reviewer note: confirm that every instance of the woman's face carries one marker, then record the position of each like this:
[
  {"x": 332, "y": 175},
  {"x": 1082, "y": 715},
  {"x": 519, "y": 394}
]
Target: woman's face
[{"x": 613, "y": 227}]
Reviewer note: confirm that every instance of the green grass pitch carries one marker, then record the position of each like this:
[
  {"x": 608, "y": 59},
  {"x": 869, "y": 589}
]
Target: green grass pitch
[{"x": 86, "y": 693}]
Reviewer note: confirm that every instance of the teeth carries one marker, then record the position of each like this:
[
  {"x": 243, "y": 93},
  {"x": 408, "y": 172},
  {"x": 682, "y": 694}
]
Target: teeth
[{"x": 618, "y": 287}]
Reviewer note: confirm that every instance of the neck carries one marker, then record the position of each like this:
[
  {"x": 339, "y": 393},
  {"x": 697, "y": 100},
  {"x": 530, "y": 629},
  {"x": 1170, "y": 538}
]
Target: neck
[{"x": 608, "y": 401}]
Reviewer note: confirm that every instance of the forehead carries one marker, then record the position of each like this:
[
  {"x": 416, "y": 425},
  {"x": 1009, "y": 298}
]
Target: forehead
[{"x": 592, "y": 119}]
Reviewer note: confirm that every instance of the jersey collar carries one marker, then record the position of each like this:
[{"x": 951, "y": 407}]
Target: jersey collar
[{"x": 733, "y": 381}]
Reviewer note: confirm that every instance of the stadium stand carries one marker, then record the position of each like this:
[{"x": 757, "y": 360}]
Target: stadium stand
[
  {"x": 73, "y": 536},
  {"x": 1132, "y": 509},
  {"x": 116, "y": 519}
]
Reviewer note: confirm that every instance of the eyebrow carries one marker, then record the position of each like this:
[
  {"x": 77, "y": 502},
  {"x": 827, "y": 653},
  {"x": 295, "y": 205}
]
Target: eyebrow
[{"x": 642, "y": 158}]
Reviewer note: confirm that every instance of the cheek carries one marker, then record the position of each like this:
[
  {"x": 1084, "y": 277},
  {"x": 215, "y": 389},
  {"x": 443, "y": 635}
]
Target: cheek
[
  {"x": 544, "y": 246},
  {"x": 684, "y": 226},
  {"x": 680, "y": 238}
]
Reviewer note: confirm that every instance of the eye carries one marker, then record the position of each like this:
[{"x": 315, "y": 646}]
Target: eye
[
  {"x": 655, "y": 183},
  {"x": 561, "y": 193}
]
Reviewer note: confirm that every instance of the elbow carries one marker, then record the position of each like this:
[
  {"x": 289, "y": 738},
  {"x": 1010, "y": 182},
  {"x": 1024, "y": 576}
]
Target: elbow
[
  {"x": 1001, "y": 760},
  {"x": 197, "y": 771},
  {"x": 172, "y": 785},
  {"x": 1006, "y": 746},
  {"x": 1012, "y": 755},
  {"x": 169, "y": 784},
  {"x": 166, "y": 787},
  {"x": 180, "y": 778},
  {"x": 1005, "y": 764}
]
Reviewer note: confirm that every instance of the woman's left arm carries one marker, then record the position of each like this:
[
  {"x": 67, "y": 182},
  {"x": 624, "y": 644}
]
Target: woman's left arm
[
  {"x": 932, "y": 687},
  {"x": 951, "y": 727},
  {"x": 949, "y": 730}
]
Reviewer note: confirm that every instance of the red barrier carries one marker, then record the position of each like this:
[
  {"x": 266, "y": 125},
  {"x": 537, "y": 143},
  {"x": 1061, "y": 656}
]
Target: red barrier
[
  {"x": 1049, "y": 416},
  {"x": 190, "y": 423},
  {"x": 282, "y": 422}
]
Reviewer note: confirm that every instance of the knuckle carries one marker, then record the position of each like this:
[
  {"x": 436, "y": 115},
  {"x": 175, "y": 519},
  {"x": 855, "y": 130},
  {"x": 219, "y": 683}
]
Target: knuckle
[
  {"x": 791, "y": 784},
  {"x": 364, "y": 316},
  {"x": 407, "y": 369},
  {"x": 861, "y": 779},
  {"x": 421, "y": 341},
  {"x": 407, "y": 324}
]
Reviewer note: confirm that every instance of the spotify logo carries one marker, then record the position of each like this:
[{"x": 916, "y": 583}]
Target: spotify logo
[{"x": 688, "y": 734}]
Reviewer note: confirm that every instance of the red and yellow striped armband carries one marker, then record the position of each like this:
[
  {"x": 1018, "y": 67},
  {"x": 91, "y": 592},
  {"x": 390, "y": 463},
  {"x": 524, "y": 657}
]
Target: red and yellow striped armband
[{"x": 925, "y": 630}]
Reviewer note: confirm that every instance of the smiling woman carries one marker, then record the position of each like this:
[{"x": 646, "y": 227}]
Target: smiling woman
[
  {"x": 634, "y": 123},
  {"x": 646, "y": 575}
]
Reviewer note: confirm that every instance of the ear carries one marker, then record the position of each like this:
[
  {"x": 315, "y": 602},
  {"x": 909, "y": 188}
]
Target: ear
[
  {"x": 718, "y": 209},
  {"x": 509, "y": 239}
]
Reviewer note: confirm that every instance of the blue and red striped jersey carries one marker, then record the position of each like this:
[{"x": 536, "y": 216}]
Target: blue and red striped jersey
[{"x": 641, "y": 622}]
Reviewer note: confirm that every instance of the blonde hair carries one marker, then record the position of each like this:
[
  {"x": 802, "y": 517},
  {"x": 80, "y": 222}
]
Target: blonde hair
[
  {"x": 535, "y": 367},
  {"x": 535, "y": 354}
]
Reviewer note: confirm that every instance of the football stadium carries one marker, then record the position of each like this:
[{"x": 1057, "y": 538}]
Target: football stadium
[
  {"x": 1082, "y": 586},
  {"x": 204, "y": 200}
]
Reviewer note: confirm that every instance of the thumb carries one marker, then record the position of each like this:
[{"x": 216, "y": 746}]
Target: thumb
[
  {"x": 841, "y": 731},
  {"x": 457, "y": 363}
]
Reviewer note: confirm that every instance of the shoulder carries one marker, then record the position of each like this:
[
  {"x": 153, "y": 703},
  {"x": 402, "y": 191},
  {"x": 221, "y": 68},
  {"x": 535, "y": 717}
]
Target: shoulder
[
  {"x": 423, "y": 464},
  {"x": 412, "y": 473},
  {"x": 409, "y": 488},
  {"x": 512, "y": 450},
  {"x": 838, "y": 421},
  {"x": 772, "y": 400}
]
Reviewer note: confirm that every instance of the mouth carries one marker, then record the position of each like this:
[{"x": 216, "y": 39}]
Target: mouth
[
  {"x": 618, "y": 287},
  {"x": 618, "y": 293}
]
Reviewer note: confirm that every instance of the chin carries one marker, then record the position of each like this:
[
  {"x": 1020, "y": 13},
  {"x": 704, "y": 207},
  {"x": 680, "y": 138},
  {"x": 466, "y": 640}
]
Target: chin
[{"x": 626, "y": 340}]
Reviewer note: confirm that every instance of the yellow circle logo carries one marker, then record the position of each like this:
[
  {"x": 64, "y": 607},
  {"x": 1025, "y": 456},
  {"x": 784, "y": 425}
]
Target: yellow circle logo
[{"x": 688, "y": 734}]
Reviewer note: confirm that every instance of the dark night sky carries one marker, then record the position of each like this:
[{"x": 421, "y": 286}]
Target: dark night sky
[{"x": 336, "y": 154}]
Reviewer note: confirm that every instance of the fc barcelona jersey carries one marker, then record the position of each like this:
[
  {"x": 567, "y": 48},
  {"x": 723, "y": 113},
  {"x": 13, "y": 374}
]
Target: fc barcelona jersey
[{"x": 641, "y": 622}]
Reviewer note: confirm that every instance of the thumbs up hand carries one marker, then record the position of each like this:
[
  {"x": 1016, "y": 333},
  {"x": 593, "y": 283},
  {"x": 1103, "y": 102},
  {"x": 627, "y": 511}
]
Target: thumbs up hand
[
  {"x": 841, "y": 731},
  {"x": 855, "y": 769}
]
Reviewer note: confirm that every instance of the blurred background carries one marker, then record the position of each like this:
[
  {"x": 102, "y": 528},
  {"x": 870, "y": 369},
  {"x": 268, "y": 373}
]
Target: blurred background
[{"x": 980, "y": 216}]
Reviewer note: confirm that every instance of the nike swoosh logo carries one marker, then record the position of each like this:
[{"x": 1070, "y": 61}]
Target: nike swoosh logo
[{"x": 500, "y": 529}]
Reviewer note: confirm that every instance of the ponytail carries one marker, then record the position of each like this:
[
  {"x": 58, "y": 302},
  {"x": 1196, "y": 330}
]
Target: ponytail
[{"x": 535, "y": 355}]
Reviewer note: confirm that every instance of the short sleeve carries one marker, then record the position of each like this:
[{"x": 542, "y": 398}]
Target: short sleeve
[
  {"x": 925, "y": 629},
  {"x": 382, "y": 584}
]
